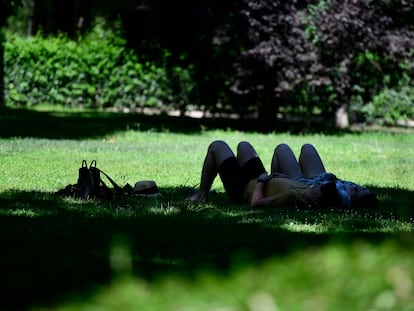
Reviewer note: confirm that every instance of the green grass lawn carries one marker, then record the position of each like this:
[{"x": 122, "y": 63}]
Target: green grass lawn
[{"x": 167, "y": 254}]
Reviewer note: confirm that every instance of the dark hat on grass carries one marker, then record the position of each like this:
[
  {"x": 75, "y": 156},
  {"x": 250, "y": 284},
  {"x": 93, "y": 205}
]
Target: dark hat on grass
[{"x": 146, "y": 188}]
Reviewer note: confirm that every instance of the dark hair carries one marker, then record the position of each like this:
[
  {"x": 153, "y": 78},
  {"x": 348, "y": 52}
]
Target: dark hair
[
  {"x": 368, "y": 199},
  {"x": 329, "y": 195}
]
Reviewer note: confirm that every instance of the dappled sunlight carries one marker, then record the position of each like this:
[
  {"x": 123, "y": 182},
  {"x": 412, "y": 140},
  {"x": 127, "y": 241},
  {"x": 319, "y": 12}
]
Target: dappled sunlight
[
  {"x": 166, "y": 209},
  {"x": 307, "y": 228},
  {"x": 21, "y": 212}
]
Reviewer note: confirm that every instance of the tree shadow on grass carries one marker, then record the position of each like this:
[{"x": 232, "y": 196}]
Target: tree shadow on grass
[
  {"x": 53, "y": 246},
  {"x": 23, "y": 122},
  {"x": 83, "y": 125}
]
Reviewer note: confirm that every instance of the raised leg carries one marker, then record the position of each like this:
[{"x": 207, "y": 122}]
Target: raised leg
[
  {"x": 310, "y": 161},
  {"x": 217, "y": 152},
  {"x": 284, "y": 161},
  {"x": 245, "y": 152}
]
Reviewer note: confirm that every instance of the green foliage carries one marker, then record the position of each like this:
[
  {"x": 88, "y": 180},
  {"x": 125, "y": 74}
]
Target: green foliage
[
  {"x": 252, "y": 56},
  {"x": 97, "y": 71},
  {"x": 393, "y": 105},
  {"x": 389, "y": 107}
]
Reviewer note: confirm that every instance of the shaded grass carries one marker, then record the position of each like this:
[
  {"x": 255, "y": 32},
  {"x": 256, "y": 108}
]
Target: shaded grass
[
  {"x": 54, "y": 247},
  {"x": 47, "y": 122},
  {"x": 58, "y": 123}
]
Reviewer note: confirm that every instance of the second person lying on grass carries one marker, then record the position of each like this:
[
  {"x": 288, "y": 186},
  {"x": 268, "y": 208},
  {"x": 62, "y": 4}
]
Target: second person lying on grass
[
  {"x": 311, "y": 171},
  {"x": 246, "y": 181}
]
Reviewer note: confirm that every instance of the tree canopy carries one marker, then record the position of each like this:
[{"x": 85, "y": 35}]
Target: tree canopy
[{"x": 259, "y": 57}]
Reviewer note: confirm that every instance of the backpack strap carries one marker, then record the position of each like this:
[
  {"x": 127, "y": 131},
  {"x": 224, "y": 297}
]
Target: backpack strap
[
  {"x": 117, "y": 188},
  {"x": 93, "y": 168}
]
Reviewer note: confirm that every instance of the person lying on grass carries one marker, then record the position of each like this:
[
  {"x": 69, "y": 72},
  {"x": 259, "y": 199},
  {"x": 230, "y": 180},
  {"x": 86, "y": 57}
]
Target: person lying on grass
[
  {"x": 311, "y": 170},
  {"x": 246, "y": 181}
]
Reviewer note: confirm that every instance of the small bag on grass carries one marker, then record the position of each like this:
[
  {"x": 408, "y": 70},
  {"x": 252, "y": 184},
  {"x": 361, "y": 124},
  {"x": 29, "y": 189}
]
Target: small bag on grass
[{"x": 90, "y": 185}]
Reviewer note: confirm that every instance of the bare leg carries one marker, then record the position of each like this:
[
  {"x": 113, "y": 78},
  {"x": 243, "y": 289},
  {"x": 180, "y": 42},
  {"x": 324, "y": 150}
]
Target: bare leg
[
  {"x": 245, "y": 152},
  {"x": 284, "y": 161},
  {"x": 217, "y": 152},
  {"x": 310, "y": 161}
]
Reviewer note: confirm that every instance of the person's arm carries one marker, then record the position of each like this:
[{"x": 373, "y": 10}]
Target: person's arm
[
  {"x": 281, "y": 197},
  {"x": 258, "y": 198},
  {"x": 277, "y": 174}
]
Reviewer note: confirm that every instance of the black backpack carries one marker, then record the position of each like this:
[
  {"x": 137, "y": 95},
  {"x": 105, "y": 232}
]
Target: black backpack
[{"x": 90, "y": 185}]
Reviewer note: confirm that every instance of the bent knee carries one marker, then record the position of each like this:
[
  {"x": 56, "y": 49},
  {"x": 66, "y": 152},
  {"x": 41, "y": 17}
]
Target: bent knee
[
  {"x": 217, "y": 142},
  {"x": 281, "y": 147},
  {"x": 243, "y": 145},
  {"x": 217, "y": 145},
  {"x": 307, "y": 148}
]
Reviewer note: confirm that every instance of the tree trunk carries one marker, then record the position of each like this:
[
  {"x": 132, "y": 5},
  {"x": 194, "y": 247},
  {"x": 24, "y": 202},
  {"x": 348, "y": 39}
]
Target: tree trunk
[
  {"x": 267, "y": 108},
  {"x": 29, "y": 14},
  {"x": 341, "y": 117}
]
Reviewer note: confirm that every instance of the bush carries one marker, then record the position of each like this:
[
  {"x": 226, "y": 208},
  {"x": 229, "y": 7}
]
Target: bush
[
  {"x": 392, "y": 105},
  {"x": 97, "y": 71},
  {"x": 388, "y": 107}
]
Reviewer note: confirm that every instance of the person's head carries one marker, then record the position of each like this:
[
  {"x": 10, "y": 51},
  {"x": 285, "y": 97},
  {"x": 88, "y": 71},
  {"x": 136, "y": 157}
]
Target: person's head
[
  {"x": 324, "y": 195},
  {"x": 360, "y": 196}
]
